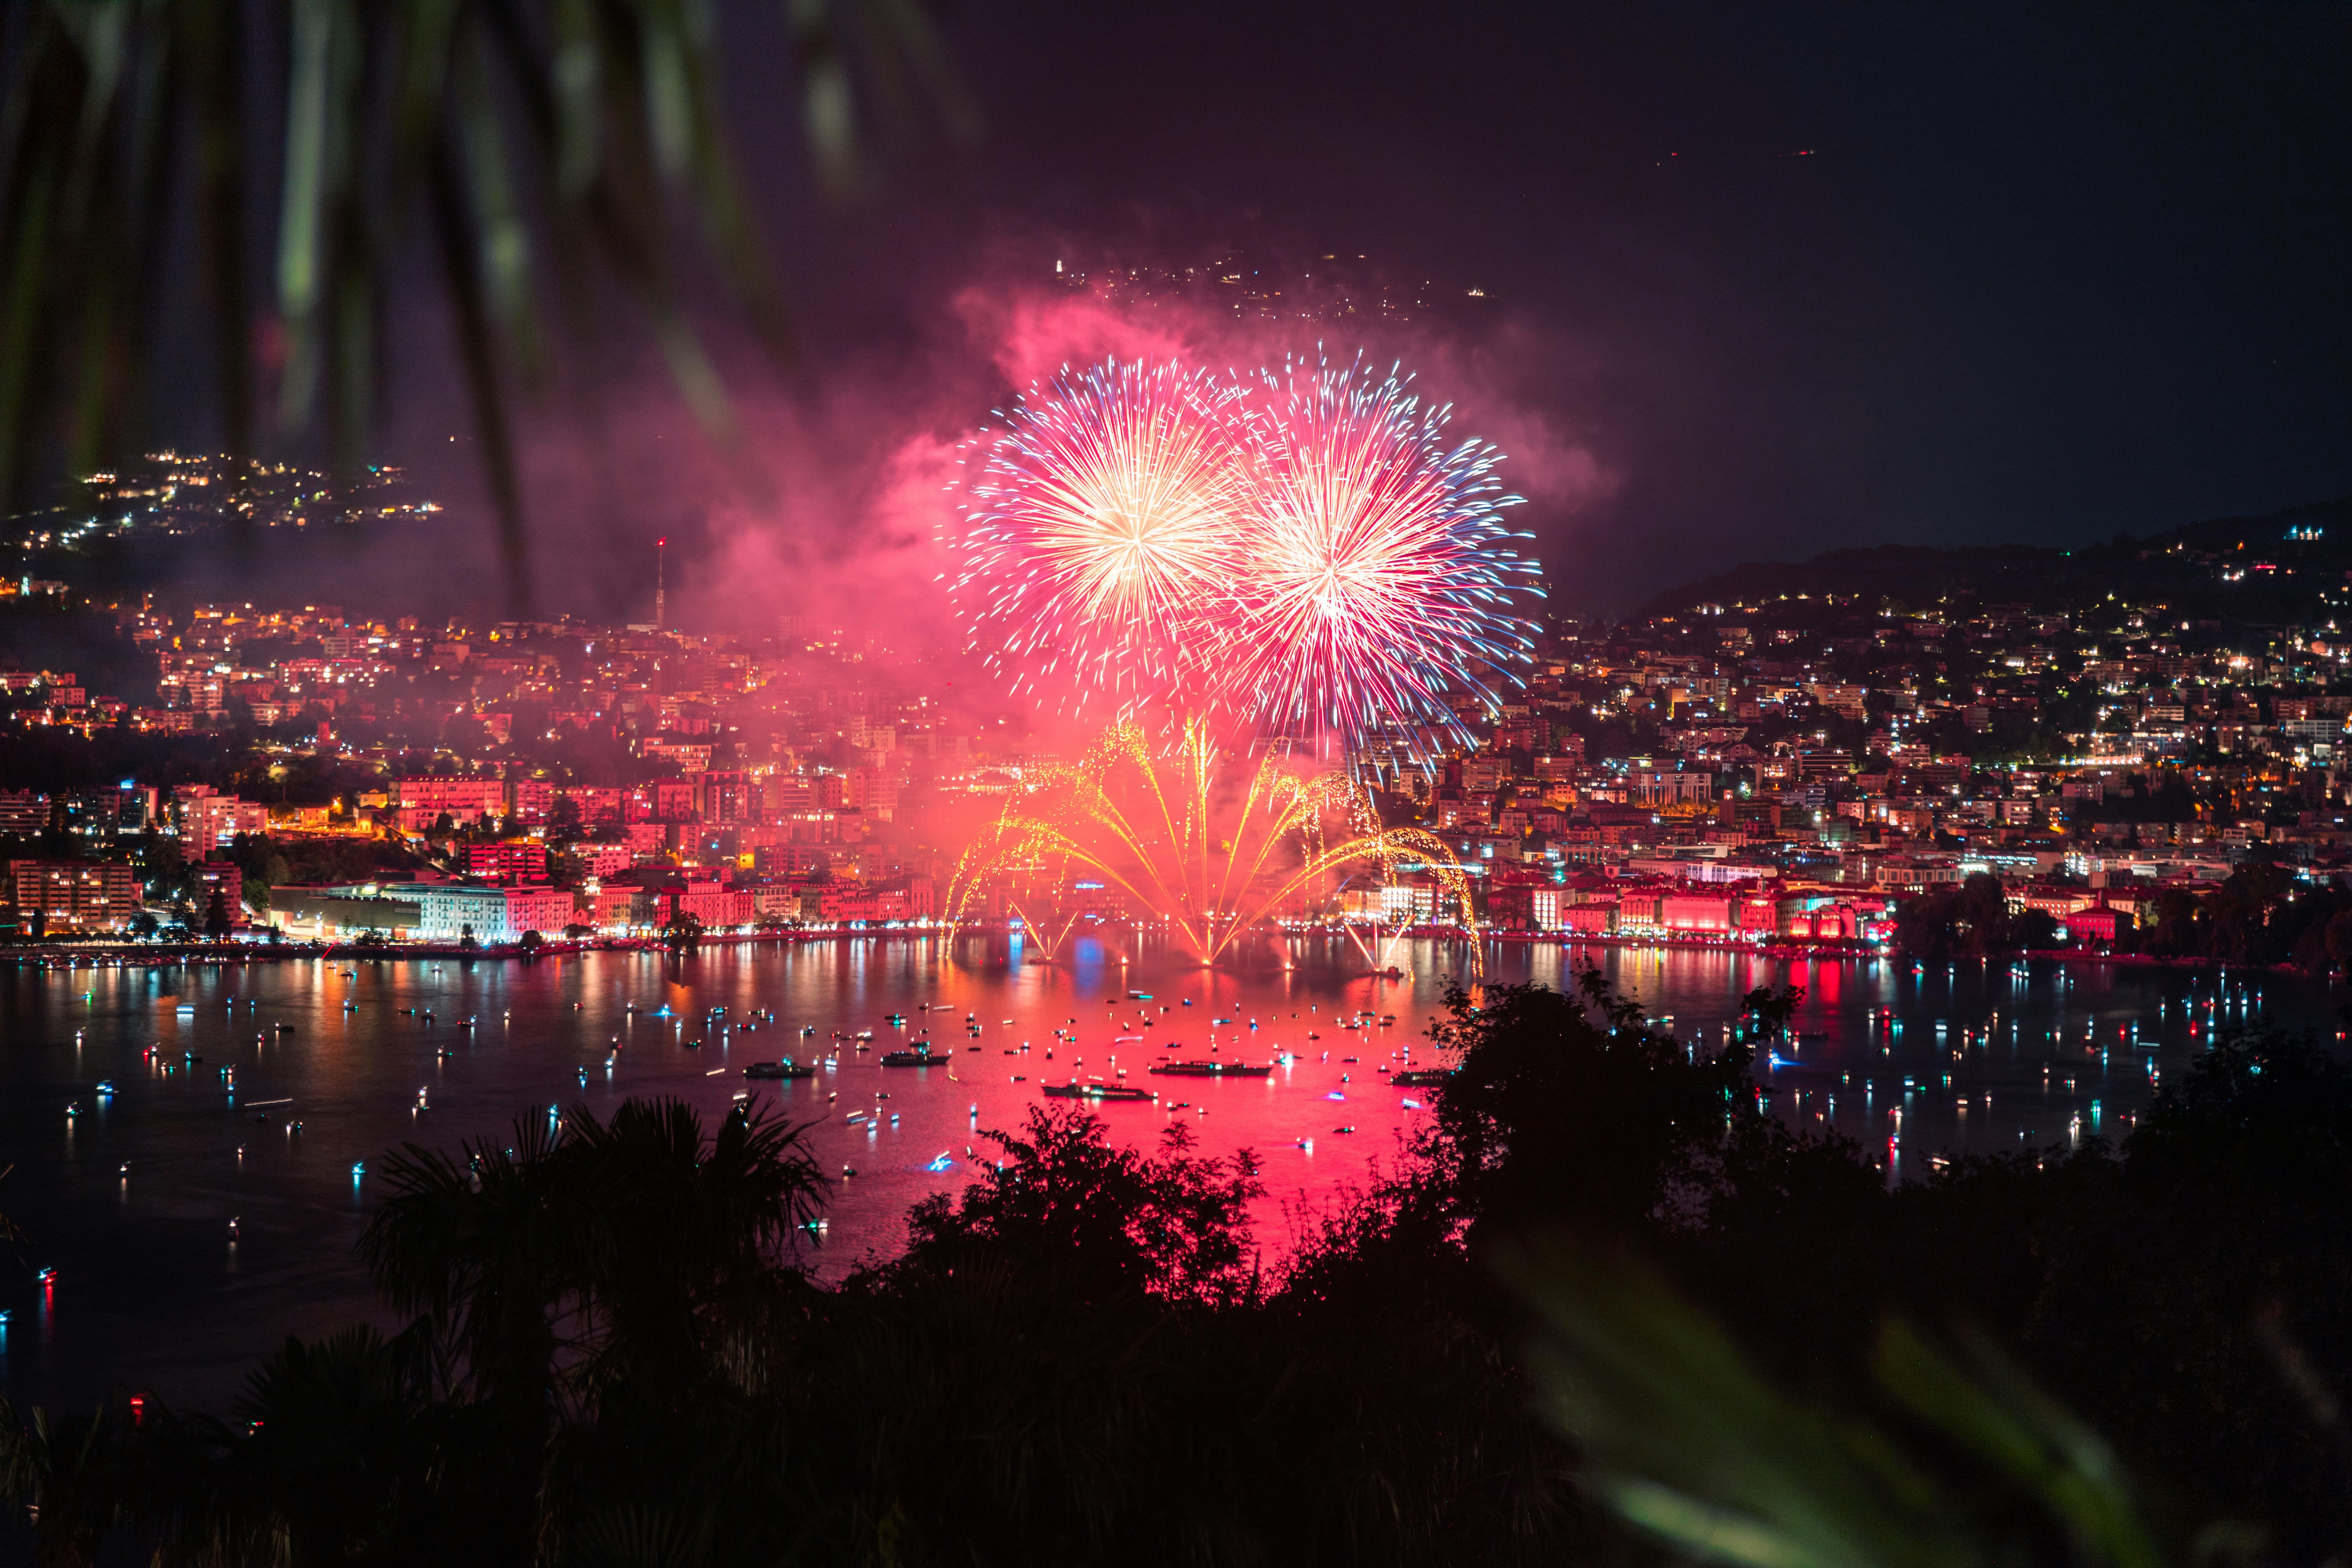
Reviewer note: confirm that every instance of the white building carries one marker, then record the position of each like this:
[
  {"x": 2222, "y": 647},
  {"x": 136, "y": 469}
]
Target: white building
[{"x": 455, "y": 910}]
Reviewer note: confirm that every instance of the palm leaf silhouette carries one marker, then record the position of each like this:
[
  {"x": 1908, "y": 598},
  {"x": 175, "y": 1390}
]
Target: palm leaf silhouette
[
  {"x": 529, "y": 145},
  {"x": 1685, "y": 1440}
]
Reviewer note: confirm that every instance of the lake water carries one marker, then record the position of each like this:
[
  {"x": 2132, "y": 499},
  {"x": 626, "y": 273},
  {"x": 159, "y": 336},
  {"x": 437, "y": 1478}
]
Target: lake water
[{"x": 131, "y": 1202}]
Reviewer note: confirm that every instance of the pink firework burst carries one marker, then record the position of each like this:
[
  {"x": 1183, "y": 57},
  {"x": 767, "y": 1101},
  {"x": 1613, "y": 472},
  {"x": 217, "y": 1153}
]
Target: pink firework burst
[
  {"x": 1101, "y": 533},
  {"x": 1381, "y": 581}
]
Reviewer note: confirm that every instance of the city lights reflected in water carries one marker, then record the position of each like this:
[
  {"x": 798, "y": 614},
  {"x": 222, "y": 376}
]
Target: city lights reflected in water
[{"x": 235, "y": 1129}]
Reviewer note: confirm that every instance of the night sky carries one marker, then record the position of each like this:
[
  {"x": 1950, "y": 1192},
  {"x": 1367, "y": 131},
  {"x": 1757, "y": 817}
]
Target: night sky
[
  {"x": 2039, "y": 274},
  {"x": 2047, "y": 270}
]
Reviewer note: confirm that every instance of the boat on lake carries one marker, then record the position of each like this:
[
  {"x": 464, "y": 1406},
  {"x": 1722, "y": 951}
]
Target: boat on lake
[
  {"x": 1098, "y": 1090},
  {"x": 1421, "y": 1077},
  {"x": 784, "y": 1069},
  {"x": 1208, "y": 1069},
  {"x": 920, "y": 1056}
]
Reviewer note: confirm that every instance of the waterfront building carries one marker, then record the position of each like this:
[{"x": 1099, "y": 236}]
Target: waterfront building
[
  {"x": 51, "y": 896},
  {"x": 451, "y": 911},
  {"x": 341, "y": 914}
]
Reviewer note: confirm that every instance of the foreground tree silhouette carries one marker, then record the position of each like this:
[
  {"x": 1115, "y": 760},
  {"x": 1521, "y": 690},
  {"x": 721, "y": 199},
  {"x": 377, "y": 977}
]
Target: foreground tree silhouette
[
  {"x": 1106, "y": 1220},
  {"x": 1577, "y": 1108},
  {"x": 125, "y": 1470},
  {"x": 585, "y": 1256},
  {"x": 347, "y": 1455},
  {"x": 612, "y": 1298}
]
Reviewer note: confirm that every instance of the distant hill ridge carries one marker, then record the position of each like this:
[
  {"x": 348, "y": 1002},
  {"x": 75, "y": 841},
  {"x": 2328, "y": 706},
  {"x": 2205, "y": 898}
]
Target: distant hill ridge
[{"x": 2302, "y": 545}]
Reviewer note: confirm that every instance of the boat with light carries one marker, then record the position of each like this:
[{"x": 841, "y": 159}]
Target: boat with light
[{"x": 1098, "y": 1090}]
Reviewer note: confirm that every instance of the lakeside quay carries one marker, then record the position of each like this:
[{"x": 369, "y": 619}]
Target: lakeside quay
[
  {"x": 233, "y": 954},
  {"x": 102, "y": 955},
  {"x": 76, "y": 954}
]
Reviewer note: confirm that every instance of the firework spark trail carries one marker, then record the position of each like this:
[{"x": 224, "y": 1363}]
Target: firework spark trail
[
  {"x": 1099, "y": 535},
  {"x": 1379, "y": 576},
  {"x": 1145, "y": 822}
]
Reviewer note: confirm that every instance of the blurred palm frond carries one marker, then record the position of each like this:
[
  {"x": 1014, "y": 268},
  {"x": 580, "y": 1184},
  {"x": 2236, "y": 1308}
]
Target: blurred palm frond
[
  {"x": 518, "y": 142},
  {"x": 1685, "y": 1440}
]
